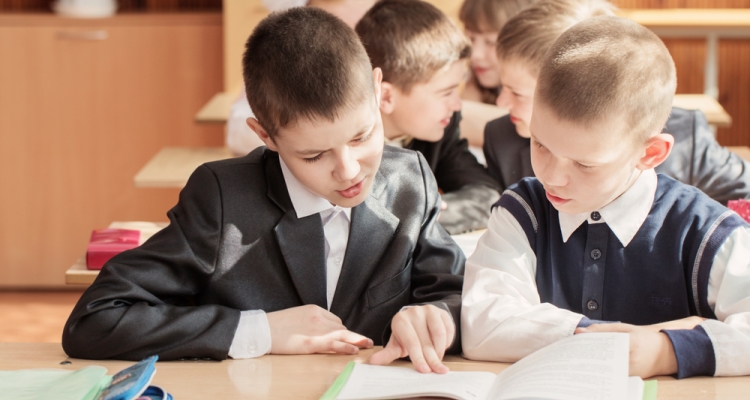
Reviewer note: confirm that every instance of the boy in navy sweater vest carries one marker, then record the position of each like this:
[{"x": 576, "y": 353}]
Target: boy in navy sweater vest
[{"x": 599, "y": 242}]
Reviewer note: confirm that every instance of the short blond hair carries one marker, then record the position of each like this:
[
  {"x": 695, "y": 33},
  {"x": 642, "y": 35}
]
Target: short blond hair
[
  {"x": 527, "y": 36},
  {"x": 410, "y": 40},
  {"x": 490, "y": 15},
  {"x": 609, "y": 66}
]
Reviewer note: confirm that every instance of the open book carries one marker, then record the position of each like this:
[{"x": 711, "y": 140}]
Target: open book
[{"x": 588, "y": 366}]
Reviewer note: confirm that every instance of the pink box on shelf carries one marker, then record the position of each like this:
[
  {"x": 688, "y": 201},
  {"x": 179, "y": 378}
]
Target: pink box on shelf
[
  {"x": 106, "y": 243},
  {"x": 741, "y": 207}
]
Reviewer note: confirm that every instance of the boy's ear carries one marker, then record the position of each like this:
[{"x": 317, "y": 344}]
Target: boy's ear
[
  {"x": 262, "y": 134},
  {"x": 657, "y": 150},
  {"x": 387, "y": 97},
  {"x": 377, "y": 81}
]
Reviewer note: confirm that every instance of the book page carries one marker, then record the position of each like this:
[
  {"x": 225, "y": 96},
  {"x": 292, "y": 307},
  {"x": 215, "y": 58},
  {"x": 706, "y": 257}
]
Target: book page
[
  {"x": 587, "y": 366},
  {"x": 379, "y": 382},
  {"x": 635, "y": 388}
]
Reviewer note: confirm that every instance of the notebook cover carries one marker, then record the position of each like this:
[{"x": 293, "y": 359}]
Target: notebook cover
[
  {"x": 741, "y": 207},
  {"x": 339, "y": 383},
  {"x": 106, "y": 243},
  {"x": 131, "y": 382}
]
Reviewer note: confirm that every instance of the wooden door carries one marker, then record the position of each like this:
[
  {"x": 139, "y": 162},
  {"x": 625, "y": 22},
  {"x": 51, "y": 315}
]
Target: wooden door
[{"x": 83, "y": 106}]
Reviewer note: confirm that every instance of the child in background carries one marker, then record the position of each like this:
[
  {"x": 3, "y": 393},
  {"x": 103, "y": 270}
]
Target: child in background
[
  {"x": 423, "y": 58},
  {"x": 240, "y": 139},
  {"x": 696, "y": 159},
  {"x": 312, "y": 244},
  {"x": 483, "y": 20},
  {"x": 599, "y": 242}
]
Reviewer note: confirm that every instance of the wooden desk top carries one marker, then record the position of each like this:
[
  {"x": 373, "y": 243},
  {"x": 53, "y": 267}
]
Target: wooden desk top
[
  {"x": 171, "y": 166},
  {"x": 217, "y": 109},
  {"x": 78, "y": 274},
  {"x": 303, "y": 377},
  {"x": 715, "y": 113},
  {"x": 742, "y": 151},
  {"x": 689, "y": 18}
]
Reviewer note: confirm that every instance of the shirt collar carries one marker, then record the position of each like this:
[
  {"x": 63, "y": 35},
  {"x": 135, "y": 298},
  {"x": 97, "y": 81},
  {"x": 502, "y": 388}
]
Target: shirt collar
[
  {"x": 401, "y": 141},
  {"x": 624, "y": 215},
  {"x": 304, "y": 201}
]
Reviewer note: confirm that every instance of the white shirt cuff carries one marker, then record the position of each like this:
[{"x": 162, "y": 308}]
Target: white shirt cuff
[{"x": 252, "y": 337}]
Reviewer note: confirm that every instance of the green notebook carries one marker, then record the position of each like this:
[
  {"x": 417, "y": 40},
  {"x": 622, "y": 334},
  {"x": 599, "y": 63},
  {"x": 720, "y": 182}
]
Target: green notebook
[
  {"x": 59, "y": 384},
  {"x": 88, "y": 383}
]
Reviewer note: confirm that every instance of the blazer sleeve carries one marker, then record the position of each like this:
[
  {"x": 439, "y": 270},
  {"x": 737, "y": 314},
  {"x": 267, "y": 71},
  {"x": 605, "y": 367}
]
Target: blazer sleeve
[
  {"x": 491, "y": 154},
  {"x": 438, "y": 262},
  {"x": 715, "y": 170},
  {"x": 455, "y": 166},
  {"x": 468, "y": 189},
  {"x": 145, "y": 300}
]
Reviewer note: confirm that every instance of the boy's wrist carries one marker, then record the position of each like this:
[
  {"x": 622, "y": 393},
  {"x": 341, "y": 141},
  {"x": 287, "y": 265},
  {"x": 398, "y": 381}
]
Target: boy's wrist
[{"x": 666, "y": 363}]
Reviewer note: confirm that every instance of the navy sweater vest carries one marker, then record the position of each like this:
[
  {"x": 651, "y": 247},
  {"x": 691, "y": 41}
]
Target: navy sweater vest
[{"x": 661, "y": 275}]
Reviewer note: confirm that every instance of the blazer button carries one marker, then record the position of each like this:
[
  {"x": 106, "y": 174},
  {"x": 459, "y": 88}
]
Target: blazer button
[
  {"x": 596, "y": 216},
  {"x": 592, "y": 305},
  {"x": 596, "y": 254}
]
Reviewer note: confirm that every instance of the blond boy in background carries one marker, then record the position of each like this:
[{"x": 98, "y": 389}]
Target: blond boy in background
[
  {"x": 598, "y": 236},
  {"x": 696, "y": 159}
]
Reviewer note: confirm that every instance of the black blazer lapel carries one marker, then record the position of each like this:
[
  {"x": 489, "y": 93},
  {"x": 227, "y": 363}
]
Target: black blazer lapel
[
  {"x": 301, "y": 240},
  {"x": 372, "y": 229}
]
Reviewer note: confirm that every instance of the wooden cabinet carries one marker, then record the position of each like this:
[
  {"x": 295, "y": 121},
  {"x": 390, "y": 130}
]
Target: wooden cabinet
[{"x": 84, "y": 104}]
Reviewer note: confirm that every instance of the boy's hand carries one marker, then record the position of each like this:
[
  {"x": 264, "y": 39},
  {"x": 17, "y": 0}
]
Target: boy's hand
[
  {"x": 311, "y": 329},
  {"x": 651, "y": 352},
  {"x": 423, "y": 333}
]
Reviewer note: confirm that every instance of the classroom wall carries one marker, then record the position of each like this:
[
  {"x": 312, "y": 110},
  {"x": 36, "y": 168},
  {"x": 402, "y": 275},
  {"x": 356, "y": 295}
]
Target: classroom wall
[
  {"x": 84, "y": 105},
  {"x": 734, "y": 66}
]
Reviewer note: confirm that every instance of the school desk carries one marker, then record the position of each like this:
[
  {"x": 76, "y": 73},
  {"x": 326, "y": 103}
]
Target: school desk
[
  {"x": 217, "y": 109},
  {"x": 742, "y": 151},
  {"x": 302, "y": 376},
  {"x": 78, "y": 274},
  {"x": 171, "y": 166},
  {"x": 710, "y": 24}
]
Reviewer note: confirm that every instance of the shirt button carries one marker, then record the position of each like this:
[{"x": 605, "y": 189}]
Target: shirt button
[
  {"x": 592, "y": 305},
  {"x": 596, "y": 216},
  {"x": 596, "y": 254}
]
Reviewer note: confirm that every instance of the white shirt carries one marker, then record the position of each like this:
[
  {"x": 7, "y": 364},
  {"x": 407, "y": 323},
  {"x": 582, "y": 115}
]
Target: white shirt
[
  {"x": 502, "y": 318},
  {"x": 253, "y": 335}
]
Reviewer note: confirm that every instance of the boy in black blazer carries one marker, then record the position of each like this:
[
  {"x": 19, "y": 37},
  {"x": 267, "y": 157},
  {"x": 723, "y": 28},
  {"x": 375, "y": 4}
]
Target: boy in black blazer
[{"x": 313, "y": 244}]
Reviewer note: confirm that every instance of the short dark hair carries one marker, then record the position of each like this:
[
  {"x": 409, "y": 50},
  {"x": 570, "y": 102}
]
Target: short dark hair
[
  {"x": 304, "y": 63},
  {"x": 410, "y": 40}
]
